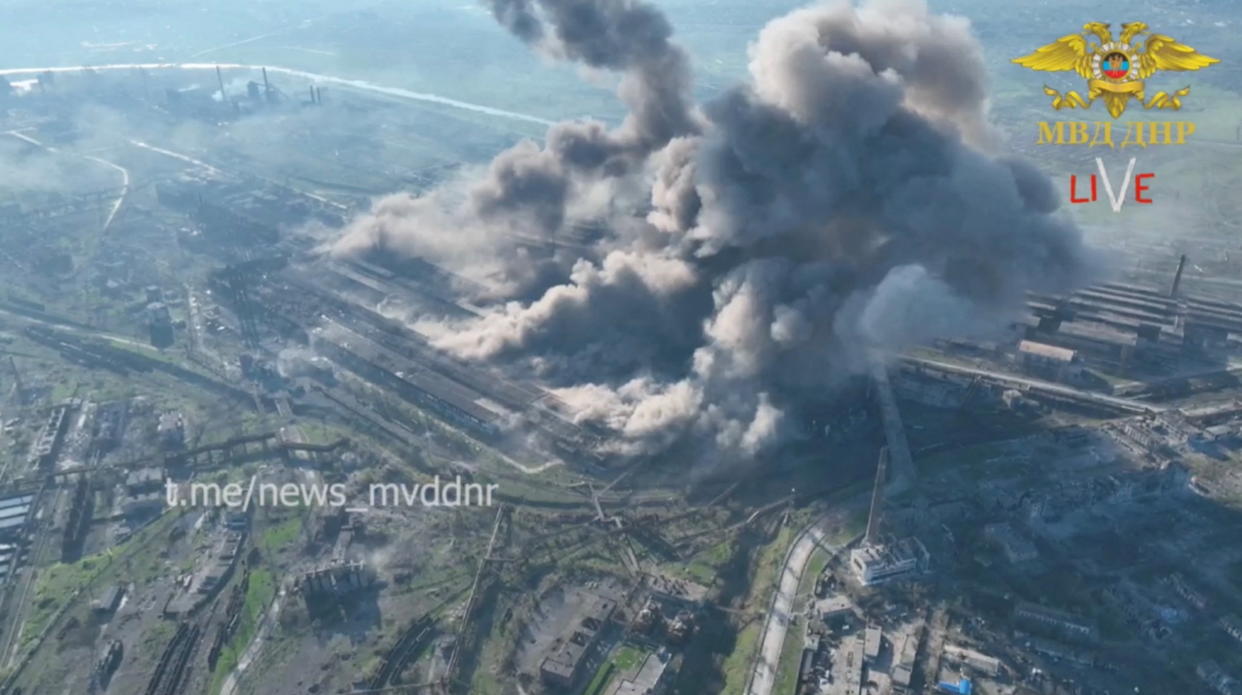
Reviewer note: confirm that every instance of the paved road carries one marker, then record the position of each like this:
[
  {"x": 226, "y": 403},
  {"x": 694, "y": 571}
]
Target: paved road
[
  {"x": 269, "y": 620},
  {"x": 116, "y": 206},
  {"x": 342, "y": 82},
  {"x": 776, "y": 625}
]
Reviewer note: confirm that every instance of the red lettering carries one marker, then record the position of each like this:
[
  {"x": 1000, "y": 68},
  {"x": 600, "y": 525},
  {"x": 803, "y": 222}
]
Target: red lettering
[
  {"x": 1140, "y": 188},
  {"x": 1074, "y": 190}
]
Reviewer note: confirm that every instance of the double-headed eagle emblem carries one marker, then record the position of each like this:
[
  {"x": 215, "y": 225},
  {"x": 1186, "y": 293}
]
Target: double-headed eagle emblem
[{"x": 1115, "y": 69}]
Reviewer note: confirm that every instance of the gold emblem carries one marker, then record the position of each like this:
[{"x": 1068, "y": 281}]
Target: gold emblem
[{"x": 1115, "y": 70}]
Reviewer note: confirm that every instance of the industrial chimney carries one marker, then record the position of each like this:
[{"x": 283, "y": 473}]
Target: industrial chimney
[
  {"x": 877, "y": 499},
  {"x": 267, "y": 88},
  {"x": 1177, "y": 279},
  {"x": 220, "y": 78}
]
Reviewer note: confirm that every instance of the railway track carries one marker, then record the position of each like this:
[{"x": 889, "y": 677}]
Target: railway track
[
  {"x": 398, "y": 658},
  {"x": 174, "y": 663}
]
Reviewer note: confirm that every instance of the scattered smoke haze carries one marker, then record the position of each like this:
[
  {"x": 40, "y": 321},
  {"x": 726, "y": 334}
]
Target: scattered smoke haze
[{"x": 756, "y": 250}]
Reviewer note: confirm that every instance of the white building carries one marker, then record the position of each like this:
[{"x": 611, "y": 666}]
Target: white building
[{"x": 882, "y": 562}]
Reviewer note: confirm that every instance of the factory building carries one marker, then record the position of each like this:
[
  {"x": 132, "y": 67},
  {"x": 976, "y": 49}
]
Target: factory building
[
  {"x": 1232, "y": 625},
  {"x": 962, "y": 686},
  {"x": 1192, "y": 595},
  {"x": 110, "y": 425},
  {"x": 52, "y": 435},
  {"x": 139, "y": 506},
  {"x": 806, "y": 666},
  {"x": 1120, "y": 324},
  {"x": 418, "y": 385},
  {"x": 159, "y": 324},
  {"x": 980, "y": 663},
  {"x": 903, "y": 661},
  {"x": 852, "y": 678},
  {"x": 873, "y": 641},
  {"x": 1059, "y": 651},
  {"x": 243, "y": 212},
  {"x": 109, "y": 600},
  {"x": 1049, "y": 361},
  {"x": 148, "y": 479},
  {"x": 1215, "y": 677},
  {"x": 884, "y": 562},
  {"x": 171, "y": 431},
  {"x": 1052, "y": 620},
  {"x": 8, "y": 557},
  {"x": 1206, "y": 333},
  {"x": 13, "y": 512},
  {"x": 14, "y": 515},
  {"x": 332, "y": 307},
  {"x": 651, "y": 678},
  {"x": 835, "y": 608},
  {"x": 563, "y": 664},
  {"x": 478, "y": 399},
  {"x": 210, "y": 575},
  {"x": 334, "y": 581},
  {"x": 877, "y": 559}
]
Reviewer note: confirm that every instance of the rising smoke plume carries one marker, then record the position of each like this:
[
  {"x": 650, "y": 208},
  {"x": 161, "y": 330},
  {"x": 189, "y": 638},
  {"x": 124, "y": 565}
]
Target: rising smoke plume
[
  {"x": 758, "y": 250},
  {"x": 531, "y": 192}
]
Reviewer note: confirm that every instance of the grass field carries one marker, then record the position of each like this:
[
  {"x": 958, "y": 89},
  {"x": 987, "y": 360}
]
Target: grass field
[
  {"x": 767, "y": 568},
  {"x": 279, "y": 536},
  {"x": 259, "y": 594},
  {"x": 602, "y": 677},
  {"x": 628, "y": 657}
]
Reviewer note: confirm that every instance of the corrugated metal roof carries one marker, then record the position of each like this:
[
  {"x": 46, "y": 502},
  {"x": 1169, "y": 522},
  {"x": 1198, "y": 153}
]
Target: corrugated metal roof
[
  {"x": 15, "y": 501},
  {"x": 1052, "y": 352},
  {"x": 14, "y": 512}
]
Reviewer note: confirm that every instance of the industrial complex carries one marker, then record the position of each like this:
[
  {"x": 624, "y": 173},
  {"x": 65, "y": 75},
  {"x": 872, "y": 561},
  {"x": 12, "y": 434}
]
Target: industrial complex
[{"x": 201, "y": 397}]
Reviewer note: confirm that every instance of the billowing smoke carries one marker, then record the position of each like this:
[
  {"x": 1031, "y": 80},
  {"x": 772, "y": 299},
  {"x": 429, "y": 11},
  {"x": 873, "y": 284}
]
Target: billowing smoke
[
  {"x": 531, "y": 192},
  {"x": 839, "y": 205},
  {"x": 626, "y": 36}
]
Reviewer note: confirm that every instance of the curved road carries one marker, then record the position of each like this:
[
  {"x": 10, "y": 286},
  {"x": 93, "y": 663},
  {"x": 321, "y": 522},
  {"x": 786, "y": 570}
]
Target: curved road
[
  {"x": 270, "y": 617},
  {"x": 116, "y": 206},
  {"x": 776, "y": 625}
]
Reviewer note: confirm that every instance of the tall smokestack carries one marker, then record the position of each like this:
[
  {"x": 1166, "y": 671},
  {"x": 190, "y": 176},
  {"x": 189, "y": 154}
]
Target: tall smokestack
[
  {"x": 19, "y": 390},
  {"x": 1177, "y": 279},
  {"x": 267, "y": 87},
  {"x": 877, "y": 499},
  {"x": 220, "y": 78}
]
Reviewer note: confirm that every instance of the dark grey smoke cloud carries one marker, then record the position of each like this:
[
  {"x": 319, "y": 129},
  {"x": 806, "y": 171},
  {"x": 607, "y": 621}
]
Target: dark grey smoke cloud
[
  {"x": 530, "y": 192},
  {"x": 839, "y": 204},
  {"x": 627, "y": 36}
]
